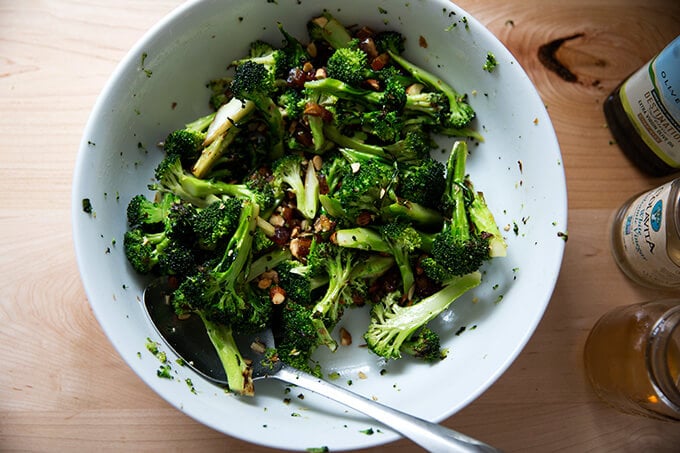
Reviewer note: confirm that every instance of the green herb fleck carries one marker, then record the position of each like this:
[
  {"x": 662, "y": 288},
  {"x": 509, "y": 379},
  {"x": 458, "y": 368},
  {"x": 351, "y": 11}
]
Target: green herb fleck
[
  {"x": 295, "y": 414},
  {"x": 164, "y": 372},
  {"x": 563, "y": 235},
  {"x": 190, "y": 384},
  {"x": 490, "y": 63},
  {"x": 333, "y": 375},
  {"x": 317, "y": 449},
  {"x": 87, "y": 206},
  {"x": 368, "y": 432},
  {"x": 382, "y": 10}
]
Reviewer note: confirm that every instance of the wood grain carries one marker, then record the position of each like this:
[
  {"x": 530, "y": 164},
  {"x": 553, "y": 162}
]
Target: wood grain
[{"x": 64, "y": 388}]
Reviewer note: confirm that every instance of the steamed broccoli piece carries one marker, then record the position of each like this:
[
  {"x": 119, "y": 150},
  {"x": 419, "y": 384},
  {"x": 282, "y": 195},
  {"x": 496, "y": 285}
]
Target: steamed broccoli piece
[
  {"x": 289, "y": 171},
  {"x": 327, "y": 28},
  {"x": 326, "y": 259},
  {"x": 387, "y": 126},
  {"x": 399, "y": 239},
  {"x": 157, "y": 239},
  {"x": 296, "y": 54},
  {"x": 142, "y": 211},
  {"x": 255, "y": 82},
  {"x": 171, "y": 178},
  {"x": 349, "y": 65},
  {"x": 225, "y": 302},
  {"x": 215, "y": 224},
  {"x": 412, "y": 148},
  {"x": 392, "y": 325},
  {"x": 459, "y": 113},
  {"x": 483, "y": 220},
  {"x": 459, "y": 248},
  {"x": 390, "y": 41},
  {"x": 266, "y": 55},
  {"x": 366, "y": 188},
  {"x": 423, "y": 183},
  {"x": 297, "y": 337},
  {"x": 424, "y": 344},
  {"x": 188, "y": 141}
]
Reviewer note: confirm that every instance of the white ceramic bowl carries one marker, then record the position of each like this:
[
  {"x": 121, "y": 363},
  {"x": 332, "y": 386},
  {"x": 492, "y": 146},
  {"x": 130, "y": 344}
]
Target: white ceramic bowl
[{"x": 160, "y": 85}]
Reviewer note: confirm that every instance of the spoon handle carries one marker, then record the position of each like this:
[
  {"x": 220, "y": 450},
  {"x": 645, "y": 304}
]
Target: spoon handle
[{"x": 431, "y": 436}]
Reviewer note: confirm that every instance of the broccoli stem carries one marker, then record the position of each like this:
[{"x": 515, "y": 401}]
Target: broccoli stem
[
  {"x": 239, "y": 374},
  {"x": 329, "y": 29},
  {"x": 328, "y": 308},
  {"x": 455, "y": 195},
  {"x": 362, "y": 239}
]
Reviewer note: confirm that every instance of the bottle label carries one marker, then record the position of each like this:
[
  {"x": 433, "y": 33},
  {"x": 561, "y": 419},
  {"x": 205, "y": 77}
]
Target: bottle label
[
  {"x": 651, "y": 98},
  {"x": 644, "y": 237}
]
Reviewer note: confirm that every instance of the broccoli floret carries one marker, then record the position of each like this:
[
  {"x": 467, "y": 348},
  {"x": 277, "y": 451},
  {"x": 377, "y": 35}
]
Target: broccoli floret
[
  {"x": 365, "y": 189},
  {"x": 390, "y": 41},
  {"x": 387, "y": 126},
  {"x": 297, "y": 337},
  {"x": 349, "y": 64},
  {"x": 423, "y": 183},
  {"x": 399, "y": 239},
  {"x": 172, "y": 178},
  {"x": 459, "y": 248},
  {"x": 142, "y": 211},
  {"x": 459, "y": 113},
  {"x": 297, "y": 285},
  {"x": 292, "y": 103},
  {"x": 424, "y": 344},
  {"x": 414, "y": 147},
  {"x": 326, "y": 259},
  {"x": 225, "y": 302},
  {"x": 266, "y": 55},
  {"x": 215, "y": 224},
  {"x": 188, "y": 141},
  {"x": 254, "y": 82},
  {"x": 289, "y": 171},
  {"x": 327, "y": 28},
  {"x": 392, "y": 325},
  {"x": 160, "y": 244},
  {"x": 295, "y": 52}
]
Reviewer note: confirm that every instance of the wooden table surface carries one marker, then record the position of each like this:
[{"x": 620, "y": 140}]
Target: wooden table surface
[{"x": 63, "y": 387}]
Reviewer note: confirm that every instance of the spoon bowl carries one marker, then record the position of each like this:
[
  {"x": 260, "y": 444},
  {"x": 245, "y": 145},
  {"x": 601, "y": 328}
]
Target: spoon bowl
[{"x": 189, "y": 340}]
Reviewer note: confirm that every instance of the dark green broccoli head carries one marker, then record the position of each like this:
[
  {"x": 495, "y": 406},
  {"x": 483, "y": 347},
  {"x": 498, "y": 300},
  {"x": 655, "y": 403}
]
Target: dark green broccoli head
[
  {"x": 177, "y": 259},
  {"x": 401, "y": 235},
  {"x": 460, "y": 256},
  {"x": 366, "y": 186},
  {"x": 215, "y": 224},
  {"x": 296, "y": 285},
  {"x": 386, "y": 125},
  {"x": 139, "y": 252},
  {"x": 348, "y": 64},
  {"x": 142, "y": 211},
  {"x": 251, "y": 81},
  {"x": 393, "y": 97},
  {"x": 293, "y": 103},
  {"x": 424, "y": 344},
  {"x": 185, "y": 143},
  {"x": 389, "y": 40},
  {"x": 297, "y": 337},
  {"x": 423, "y": 183}
]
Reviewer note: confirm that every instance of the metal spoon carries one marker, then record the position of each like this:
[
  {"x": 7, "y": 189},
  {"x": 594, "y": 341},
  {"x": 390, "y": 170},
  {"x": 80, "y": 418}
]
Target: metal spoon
[{"x": 188, "y": 339}]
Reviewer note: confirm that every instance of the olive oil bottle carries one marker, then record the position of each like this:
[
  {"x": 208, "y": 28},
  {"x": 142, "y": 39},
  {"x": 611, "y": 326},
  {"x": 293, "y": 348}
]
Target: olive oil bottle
[{"x": 643, "y": 113}]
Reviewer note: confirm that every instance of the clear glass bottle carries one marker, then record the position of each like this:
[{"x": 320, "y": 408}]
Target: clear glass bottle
[
  {"x": 632, "y": 359},
  {"x": 645, "y": 237},
  {"x": 643, "y": 113}
]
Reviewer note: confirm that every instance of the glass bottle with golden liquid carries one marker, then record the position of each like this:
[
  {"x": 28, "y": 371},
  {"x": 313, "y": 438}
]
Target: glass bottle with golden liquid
[{"x": 632, "y": 359}]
